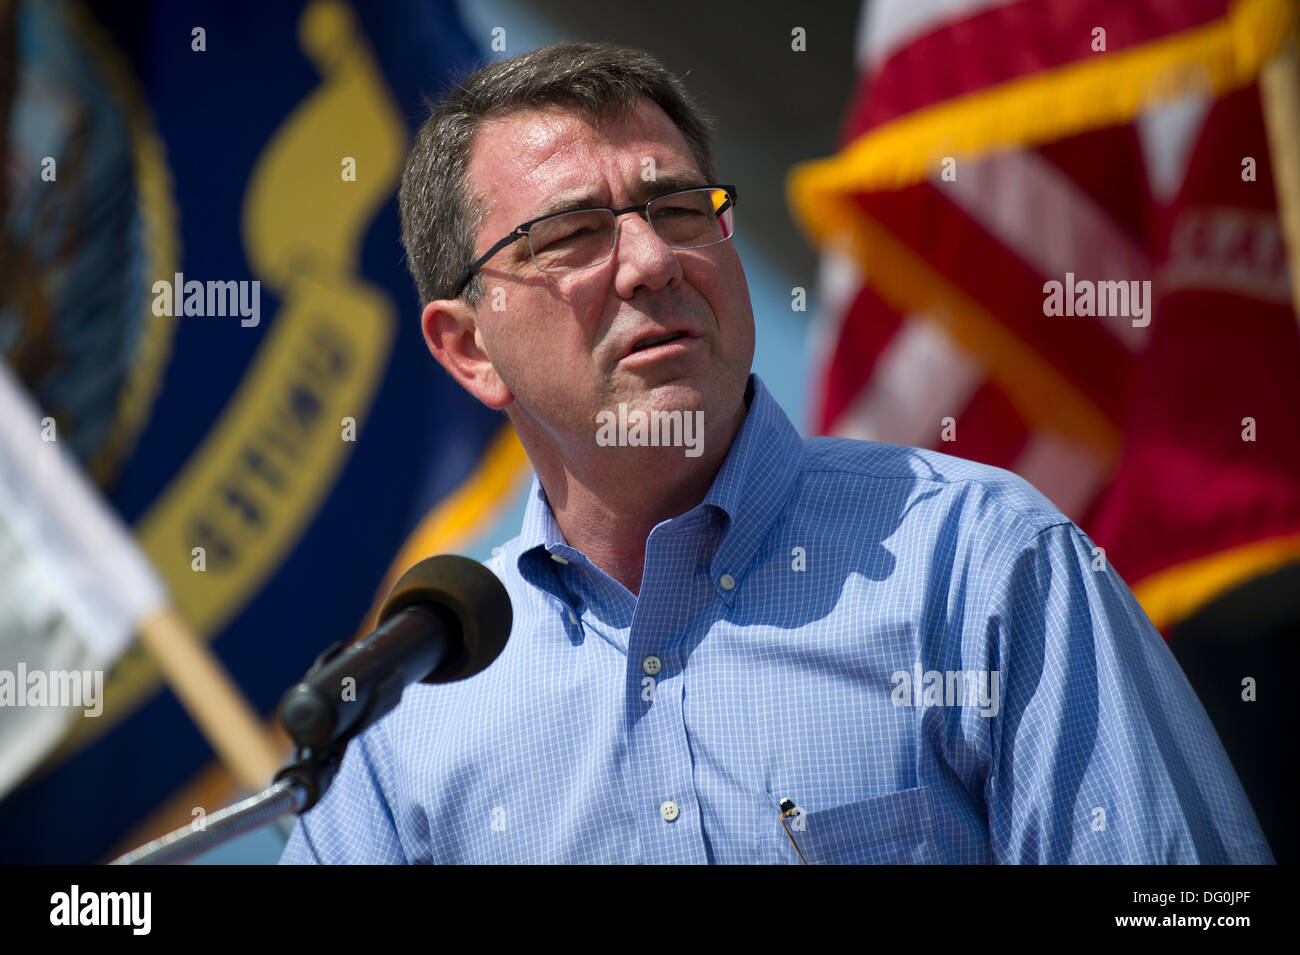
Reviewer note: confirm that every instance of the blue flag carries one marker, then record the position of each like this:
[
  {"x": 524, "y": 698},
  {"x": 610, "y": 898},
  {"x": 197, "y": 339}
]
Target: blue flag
[{"x": 210, "y": 298}]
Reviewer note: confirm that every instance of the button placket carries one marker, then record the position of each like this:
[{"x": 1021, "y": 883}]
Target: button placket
[{"x": 658, "y": 740}]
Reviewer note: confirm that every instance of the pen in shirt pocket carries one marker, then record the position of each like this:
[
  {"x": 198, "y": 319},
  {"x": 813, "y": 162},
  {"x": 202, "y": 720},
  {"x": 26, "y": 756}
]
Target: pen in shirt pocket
[{"x": 790, "y": 810}]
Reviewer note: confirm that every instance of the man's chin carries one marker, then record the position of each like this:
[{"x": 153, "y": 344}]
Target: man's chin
[
  {"x": 688, "y": 387},
  {"x": 675, "y": 394}
]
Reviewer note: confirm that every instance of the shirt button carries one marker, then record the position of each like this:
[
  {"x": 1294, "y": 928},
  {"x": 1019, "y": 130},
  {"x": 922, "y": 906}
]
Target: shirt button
[
  {"x": 651, "y": 665},
  {"x": 558, "y": 559},
  {"x": 727, "y": 581},
  {"x": 668, "y": 811}
]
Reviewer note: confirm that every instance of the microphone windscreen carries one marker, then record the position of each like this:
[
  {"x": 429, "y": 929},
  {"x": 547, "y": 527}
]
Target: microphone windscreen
[{"x": 472, "y": 594}]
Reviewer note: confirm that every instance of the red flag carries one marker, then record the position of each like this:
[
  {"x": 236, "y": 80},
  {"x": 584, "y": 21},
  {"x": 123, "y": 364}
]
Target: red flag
[
  {"x": 1207, "y": 492},
  {"x": 997, "y": 235}
]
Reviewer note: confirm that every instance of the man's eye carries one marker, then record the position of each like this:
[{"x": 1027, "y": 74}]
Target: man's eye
[
  {"x": 568, "y": 236},
  {"x": 567, "y": 231}
]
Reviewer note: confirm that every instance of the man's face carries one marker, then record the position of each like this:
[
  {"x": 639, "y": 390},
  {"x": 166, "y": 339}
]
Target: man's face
[{"x": 561, "y": 343}]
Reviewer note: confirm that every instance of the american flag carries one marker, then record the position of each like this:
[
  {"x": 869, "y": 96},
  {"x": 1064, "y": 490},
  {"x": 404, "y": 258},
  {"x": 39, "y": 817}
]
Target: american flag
[{"x": 994, "y": 147}]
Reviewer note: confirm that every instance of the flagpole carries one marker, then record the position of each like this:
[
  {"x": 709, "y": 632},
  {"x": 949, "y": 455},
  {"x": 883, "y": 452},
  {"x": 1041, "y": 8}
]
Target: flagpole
[
  {"x": 211, "y": 699},
  {"x": 1279, "y": 83}
]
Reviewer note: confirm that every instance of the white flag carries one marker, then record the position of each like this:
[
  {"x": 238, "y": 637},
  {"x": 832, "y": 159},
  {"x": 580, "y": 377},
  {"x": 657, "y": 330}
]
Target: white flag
[{"x": 74, "y": 587}]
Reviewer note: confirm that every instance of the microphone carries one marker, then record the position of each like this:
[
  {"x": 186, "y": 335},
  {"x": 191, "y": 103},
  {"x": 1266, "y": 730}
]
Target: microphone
[{"x": 447, "y": 618}]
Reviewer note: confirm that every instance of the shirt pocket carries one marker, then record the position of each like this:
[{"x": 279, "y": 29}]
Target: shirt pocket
[{"x": 894, "y": 829}]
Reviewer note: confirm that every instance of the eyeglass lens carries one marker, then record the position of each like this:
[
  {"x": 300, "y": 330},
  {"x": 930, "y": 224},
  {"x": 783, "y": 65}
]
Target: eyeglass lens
[{"x": 576, "y": 240}]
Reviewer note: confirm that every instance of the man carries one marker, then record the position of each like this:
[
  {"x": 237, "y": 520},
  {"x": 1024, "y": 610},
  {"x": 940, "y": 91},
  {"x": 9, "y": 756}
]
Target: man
[{"x": 750, "y": 648}]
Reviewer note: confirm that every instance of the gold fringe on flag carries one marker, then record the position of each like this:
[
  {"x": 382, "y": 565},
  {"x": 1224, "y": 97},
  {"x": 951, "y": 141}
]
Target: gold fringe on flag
[{"x": 1108, "y": 90}]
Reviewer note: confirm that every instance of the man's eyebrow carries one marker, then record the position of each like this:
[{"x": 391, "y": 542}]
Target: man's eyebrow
[{"x": 573, "y": 201}]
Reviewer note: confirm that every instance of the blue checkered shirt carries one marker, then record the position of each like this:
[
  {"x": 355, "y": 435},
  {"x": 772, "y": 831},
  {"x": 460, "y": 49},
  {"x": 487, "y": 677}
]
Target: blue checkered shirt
[{"x": 920, "y": 653}]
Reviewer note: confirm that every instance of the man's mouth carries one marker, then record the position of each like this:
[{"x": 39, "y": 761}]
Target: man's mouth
[{"x": 660, "y": 340}]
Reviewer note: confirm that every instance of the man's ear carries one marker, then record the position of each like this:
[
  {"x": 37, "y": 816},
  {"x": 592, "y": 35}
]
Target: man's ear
[{"x": 451, "y": 331}]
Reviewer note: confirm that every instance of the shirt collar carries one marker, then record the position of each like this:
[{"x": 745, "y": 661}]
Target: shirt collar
[{"x": 749, "y": 492}]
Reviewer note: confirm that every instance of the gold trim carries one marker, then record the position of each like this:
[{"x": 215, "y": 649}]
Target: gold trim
[
  {"x": 1177, "y": 592},
  {"x": 1106, "y": 90}
]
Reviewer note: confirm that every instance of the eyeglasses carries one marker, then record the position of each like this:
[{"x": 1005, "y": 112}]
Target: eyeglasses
[{"x": 570, "y": 241}]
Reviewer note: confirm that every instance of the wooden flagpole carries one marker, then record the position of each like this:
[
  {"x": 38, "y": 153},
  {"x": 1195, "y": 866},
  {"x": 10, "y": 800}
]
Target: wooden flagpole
[
  {"x": 1279, "y": 85},
  {"x": 212, "y": 700}
]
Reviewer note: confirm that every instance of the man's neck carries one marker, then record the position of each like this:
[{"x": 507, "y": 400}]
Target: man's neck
[{"x": 606, "y": 500}]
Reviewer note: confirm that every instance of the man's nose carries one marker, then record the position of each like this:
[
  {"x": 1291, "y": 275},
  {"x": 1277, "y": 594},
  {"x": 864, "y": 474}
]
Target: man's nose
[{"x": 642, "y": 258}]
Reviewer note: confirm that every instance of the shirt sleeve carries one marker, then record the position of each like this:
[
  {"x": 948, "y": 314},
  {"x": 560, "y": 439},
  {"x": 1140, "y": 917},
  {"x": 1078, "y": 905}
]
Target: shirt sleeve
[
  {"x": 1101, "y": 751},
  {"x": 353, "y": 822}
]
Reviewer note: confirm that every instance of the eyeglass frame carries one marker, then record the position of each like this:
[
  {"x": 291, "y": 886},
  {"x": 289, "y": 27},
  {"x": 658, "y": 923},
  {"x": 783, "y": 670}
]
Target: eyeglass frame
[{"x": 521, "y": 231}]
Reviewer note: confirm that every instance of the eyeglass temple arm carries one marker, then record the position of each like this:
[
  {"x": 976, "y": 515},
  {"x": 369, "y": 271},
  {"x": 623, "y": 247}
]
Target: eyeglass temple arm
[
  {"x": 732, "y": 198},
  {"x": 482, "y": 260}
]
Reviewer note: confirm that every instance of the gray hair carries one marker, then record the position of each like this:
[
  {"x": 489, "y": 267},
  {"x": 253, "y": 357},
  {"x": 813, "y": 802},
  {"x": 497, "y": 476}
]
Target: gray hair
[{"x": 440, "y": 220}]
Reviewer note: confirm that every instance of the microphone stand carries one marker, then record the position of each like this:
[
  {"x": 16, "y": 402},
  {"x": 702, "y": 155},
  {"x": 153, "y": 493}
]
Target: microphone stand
[
  {"x": 296, "y": 788},
  {"x": 290, "y": 793}
]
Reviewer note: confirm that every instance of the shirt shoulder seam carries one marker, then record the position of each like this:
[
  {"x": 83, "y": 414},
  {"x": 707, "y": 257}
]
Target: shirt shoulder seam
[{"x": 1019, "y": 516}]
